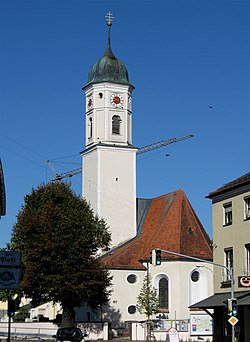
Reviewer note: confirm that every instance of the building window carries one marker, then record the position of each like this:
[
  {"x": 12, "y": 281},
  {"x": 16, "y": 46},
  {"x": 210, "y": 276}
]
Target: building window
[
  {"x": 90, "y": 127},
  {"x": 131, "y": 278},
  {"x": 116, "y": 123},
  {"x": 132, "y": 309},
  {"x": 228, "y": 214},
  {"x": 247, "y": 273},
  {"x": 229, "y": 263},
  {"x": 247, "y": 208},
  {"x": 163, "y": 293},
  {"x": 195, "y": 276}
]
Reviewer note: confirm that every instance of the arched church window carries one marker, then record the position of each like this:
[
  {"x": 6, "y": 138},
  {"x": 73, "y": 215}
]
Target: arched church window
[
  {"x": 163, "y": 293},
  {"x": 90, "y": 127},
  {"x": 116, "y": 123}
]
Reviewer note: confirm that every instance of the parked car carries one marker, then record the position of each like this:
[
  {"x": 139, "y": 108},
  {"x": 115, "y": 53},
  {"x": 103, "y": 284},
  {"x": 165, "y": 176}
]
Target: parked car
[{"x": 69, "y": 334}]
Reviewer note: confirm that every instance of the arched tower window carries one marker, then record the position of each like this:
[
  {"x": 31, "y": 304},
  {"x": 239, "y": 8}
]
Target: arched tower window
[
  {"x": 90, "y": 127},
  {"x": 163, "y": 293},
  {"x": 116, "y": 123}
]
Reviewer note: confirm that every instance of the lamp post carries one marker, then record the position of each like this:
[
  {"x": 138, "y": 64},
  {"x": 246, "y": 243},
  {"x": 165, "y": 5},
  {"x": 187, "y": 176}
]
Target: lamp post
[{"x": 229, "y": 270}]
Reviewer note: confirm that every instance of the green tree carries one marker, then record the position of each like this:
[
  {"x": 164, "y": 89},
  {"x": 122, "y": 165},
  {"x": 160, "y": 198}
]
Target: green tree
[
  {"x": 148, "y": 301},
  {"x": 59, "y": 237}
]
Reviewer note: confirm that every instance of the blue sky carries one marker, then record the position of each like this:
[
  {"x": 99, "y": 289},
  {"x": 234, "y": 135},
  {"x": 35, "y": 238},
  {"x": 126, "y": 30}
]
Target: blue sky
[{"x": 182, "y": 56}]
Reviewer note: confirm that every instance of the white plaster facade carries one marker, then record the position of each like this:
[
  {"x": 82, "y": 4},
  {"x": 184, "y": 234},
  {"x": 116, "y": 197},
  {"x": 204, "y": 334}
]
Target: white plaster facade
[
  {"x": 109, "y": 185},
  {"x": 109, "y": 161},
  {"x": 182, "y": 291},
  {"x": 99, "y": 108}
]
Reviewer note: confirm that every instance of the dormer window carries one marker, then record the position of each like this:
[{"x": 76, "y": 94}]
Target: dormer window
[{"x": 116, "y": 123}]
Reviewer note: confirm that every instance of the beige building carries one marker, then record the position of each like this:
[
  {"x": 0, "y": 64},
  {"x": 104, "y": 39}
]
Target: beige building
[
  {"x": 231, "y": 234},
  {"x": 231, "y": 251}
]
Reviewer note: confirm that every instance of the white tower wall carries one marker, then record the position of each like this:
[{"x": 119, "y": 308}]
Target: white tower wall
[
  {"x": 109, "y": 185},
  {"x": 109, "y": 161}
]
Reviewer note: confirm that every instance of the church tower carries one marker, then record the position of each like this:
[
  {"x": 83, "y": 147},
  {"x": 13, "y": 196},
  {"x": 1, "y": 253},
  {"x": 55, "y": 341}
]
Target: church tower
[{"x": 109, "y": 160}]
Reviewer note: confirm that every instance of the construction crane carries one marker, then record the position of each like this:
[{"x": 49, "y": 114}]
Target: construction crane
[
  {"x": 60, "y": 176},
  {"x": 162, "y": 143},
  {"x": 144, "y": 149}
]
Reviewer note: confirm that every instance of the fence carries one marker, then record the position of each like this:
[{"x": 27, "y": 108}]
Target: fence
[{"x": 45, "y": 330}]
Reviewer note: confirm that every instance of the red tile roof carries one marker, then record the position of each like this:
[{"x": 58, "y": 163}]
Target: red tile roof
[{"x": 170, "y": 224}]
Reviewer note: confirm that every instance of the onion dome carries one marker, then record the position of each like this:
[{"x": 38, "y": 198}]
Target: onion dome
[{"x": 108, "y": 68}]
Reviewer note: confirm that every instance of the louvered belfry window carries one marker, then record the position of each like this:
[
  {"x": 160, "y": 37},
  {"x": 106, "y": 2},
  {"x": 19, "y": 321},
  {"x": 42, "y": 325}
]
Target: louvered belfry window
[{"x": 116, "y": 123}]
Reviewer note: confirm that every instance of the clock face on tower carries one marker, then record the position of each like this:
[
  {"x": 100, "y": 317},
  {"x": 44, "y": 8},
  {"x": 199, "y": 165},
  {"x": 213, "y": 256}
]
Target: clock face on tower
[{"x": 116, "y": 100}]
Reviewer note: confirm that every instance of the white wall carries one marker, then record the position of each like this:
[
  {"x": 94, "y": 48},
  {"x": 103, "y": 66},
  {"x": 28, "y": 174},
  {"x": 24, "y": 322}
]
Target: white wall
[
  {"x": 109, "y": 184},
  {"x": 182, "y": 292}
]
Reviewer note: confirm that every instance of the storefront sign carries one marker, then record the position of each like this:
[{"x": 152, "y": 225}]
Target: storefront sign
[{"x": 244, "y": 281}]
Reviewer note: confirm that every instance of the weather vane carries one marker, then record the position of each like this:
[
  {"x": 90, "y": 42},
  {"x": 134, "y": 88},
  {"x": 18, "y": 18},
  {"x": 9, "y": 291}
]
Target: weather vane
[{"x": 109, "y": 17}]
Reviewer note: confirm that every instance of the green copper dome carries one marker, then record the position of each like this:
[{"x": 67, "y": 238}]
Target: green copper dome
[{"x": 108, "y": 69}]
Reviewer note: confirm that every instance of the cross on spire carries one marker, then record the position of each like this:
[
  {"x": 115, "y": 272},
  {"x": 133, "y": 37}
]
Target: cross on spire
[{"x": 109, "y": 17}]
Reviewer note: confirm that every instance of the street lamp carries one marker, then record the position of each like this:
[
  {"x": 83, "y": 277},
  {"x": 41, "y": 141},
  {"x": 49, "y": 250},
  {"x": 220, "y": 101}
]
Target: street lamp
[{"x": 229, "y": 270}]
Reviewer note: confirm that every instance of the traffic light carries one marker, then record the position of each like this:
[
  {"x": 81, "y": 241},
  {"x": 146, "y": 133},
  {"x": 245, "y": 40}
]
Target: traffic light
[
  {"x": 229, "y": 307},
  {"x": 234, "y": 307},
  {"x": 156, "y": 257},
  {"x": 11, "y": 307}
]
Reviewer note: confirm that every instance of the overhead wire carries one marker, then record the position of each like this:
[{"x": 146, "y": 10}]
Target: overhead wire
[
  {"x": 27, "y": 148},
  {"x": 20, "y": 155},
  {"x": 45, "y": 158},
  {"x": 95, "y": 186}
]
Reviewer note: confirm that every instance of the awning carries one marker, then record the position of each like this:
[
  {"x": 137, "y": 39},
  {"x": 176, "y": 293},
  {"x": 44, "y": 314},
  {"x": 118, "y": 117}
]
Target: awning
[{"x": 220, "y": 300}]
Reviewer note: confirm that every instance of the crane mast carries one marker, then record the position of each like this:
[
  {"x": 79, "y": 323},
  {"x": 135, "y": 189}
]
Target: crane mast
[{"x": 144, "y": 149}]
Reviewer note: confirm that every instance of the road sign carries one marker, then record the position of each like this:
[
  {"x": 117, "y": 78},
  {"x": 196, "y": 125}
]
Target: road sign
[
  {"x": 10, "y": 259},
  {"x": 172, "y": 335},
  {"x": 233, "y": 320},
  {"x": 9, "y": 278}
]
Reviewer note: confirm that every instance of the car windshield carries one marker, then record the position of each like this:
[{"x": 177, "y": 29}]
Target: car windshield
[{"x": 69, "y": 334}]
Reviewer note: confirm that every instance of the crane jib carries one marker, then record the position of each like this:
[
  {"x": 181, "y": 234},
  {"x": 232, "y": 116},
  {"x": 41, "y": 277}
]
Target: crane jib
[
  {"x": 141, "y": 150},
  {"x": 162, "y": 143}
]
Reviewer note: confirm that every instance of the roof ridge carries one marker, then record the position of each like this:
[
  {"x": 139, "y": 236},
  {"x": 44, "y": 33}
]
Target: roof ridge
[{"x": 168, "y": 194}]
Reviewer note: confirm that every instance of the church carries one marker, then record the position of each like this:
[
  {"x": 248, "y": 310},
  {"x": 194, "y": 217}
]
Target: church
[{"x": 137, "y": 225}]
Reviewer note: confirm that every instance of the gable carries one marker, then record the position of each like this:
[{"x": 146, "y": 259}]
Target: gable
[{"x": 170, "y": 224}]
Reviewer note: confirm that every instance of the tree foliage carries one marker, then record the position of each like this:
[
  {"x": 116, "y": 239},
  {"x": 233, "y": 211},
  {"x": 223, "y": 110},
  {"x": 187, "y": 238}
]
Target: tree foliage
[
  {"x": 59, "y": 236},
  {"x": 147, "y": 300}
]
